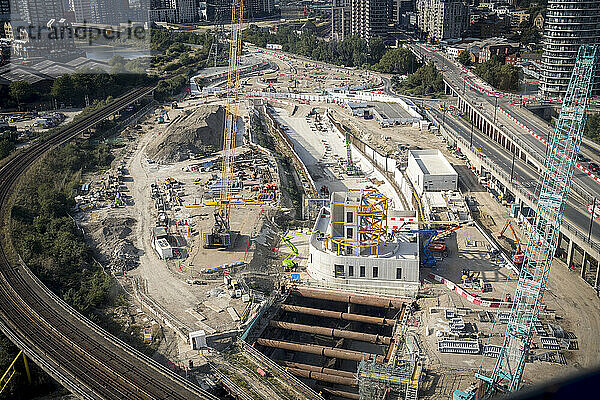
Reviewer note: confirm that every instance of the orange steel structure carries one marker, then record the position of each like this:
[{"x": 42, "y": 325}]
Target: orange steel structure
[{"x": 370, "y": 224}]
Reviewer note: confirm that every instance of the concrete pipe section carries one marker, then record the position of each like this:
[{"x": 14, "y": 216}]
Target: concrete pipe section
[
  {"x": 332, "y": 332},
  {"x": 339, "y": 315},
  {"x": 330, "y": 352},
  {"x": 374, "y": 301}
]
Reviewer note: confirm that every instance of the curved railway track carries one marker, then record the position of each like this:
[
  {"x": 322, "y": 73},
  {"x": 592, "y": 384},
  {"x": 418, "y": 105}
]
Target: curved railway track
[{"x": 83, "y": 357}]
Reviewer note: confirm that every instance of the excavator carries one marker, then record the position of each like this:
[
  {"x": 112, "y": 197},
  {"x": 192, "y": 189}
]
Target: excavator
[{"x": 518, "y": 256}]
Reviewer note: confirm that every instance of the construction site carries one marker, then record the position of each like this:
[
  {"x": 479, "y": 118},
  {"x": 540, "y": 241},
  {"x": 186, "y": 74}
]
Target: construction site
[{"x": 276, "y": 241}]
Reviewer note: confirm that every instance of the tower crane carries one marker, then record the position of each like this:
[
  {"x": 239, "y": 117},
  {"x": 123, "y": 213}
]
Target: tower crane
[
  {"x": 220, "y": 236},
  {"x": 555, "y": 183}
]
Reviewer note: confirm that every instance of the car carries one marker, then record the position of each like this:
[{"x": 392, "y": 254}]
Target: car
[
  {"x": 593, "y": 167},
  {"x": 581, "y": 158}
]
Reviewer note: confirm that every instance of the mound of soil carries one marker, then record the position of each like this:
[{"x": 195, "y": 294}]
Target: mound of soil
[{"x": 195, "y": 132}]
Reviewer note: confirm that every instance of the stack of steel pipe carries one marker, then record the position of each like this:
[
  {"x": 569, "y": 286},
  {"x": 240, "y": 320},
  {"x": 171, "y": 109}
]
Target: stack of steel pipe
[
  {"x": 319, "y": 376},
  {"x": 339, "y": 315},
  {"x": 353, "y": 298},
  {"x": 330, "y": 352},
  {"x": 332, "y": 332},
  {"x": 340, "y": 393},
  {"x": 315, "y": 368}
]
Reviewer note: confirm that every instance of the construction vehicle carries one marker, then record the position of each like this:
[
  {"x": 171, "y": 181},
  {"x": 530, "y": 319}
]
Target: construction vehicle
[
  {"x": 518, "y": 256},
  {"x": 290, "y": 263},
  {"x": 434, "y": 242},
  {"x": 470, "y": 279},
  {"x": 349, "y": 163},
  {"x": 555, "y": 183},
  {"x": 220, "y": 236}
]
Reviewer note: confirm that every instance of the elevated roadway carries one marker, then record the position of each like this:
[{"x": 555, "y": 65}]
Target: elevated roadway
[
  {"x": 497, "y": 118},
  {"x": 84, "y": 358}
]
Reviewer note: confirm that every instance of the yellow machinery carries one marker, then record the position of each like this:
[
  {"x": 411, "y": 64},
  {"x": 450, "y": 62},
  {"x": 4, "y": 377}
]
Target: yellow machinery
[
  {"x": 221, "y": 234},
  {"x": 470, "y": 279}
]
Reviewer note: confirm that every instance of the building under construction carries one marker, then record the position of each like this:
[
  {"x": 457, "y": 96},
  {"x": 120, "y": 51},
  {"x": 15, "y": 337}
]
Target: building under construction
[{"x": 359, "y": 244}]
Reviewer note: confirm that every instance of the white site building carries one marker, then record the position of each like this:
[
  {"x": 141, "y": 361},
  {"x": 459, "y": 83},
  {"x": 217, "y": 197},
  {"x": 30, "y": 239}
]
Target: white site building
[
  {"x": 359, "y": 244},
  {"x": 429, "y": 171}
]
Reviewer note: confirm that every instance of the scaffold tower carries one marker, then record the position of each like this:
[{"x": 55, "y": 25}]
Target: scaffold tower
[
  {"x": 378, "y": 381},
  {"x": 371, "y": 223}
]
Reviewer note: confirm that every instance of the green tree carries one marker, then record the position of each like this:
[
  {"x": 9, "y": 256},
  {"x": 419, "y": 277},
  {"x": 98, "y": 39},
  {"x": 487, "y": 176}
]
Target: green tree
[
  {"x": 464, "y": 57},
  {"x": 397, "y": 61},
  {"x": 20, "y": 91},
  {"x": 117, "y": 65},
  {"x": 426, "y": 81},
  {"x": 592, "y": 127},
  {"x": 6, "y": 147},
  {"x": 499, "y": 75},
  {"x": 62, "y": 89}
]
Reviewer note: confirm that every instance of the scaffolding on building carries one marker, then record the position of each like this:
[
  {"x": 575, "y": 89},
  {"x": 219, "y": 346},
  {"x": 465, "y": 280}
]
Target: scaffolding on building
[
  {"x": 370, "y": 224},
  {"x": 377, "y": 381},
  {"x": 399, "y": 377}
]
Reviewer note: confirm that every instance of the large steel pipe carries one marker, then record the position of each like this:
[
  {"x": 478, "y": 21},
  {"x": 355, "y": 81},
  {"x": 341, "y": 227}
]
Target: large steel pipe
[
  {"x": 319, "y": 376},
  {"x": 375, "y": 301},
  {"x": 340, "y": 393},
  {"x": 338, "y": 315},
  {"x": 330, "y": 352},
  {"x": 332, "y": 332},
  {"x": 315, "y": 368}
]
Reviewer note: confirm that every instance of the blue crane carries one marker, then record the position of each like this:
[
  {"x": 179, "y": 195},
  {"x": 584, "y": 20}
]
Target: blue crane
[{"x": 555, "y": 183}]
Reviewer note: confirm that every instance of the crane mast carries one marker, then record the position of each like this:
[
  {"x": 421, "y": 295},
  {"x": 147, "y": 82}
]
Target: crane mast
[
  {"x": 543, "y": 234},
  {"x": 221, "y": 234}
]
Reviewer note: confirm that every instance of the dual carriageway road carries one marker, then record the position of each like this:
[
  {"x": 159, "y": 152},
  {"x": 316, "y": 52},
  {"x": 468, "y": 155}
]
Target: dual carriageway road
[{"x": 584, "y": 188}]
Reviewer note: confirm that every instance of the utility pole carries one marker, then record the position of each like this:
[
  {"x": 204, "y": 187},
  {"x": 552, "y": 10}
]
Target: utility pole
[
  {"x": 471, "y": 141},
  {"x": 444, "y": 115},
  {"x": 592, "y": 219},
  {"x": 495, "y": 109},
  {"x": 512, "y": 168}
]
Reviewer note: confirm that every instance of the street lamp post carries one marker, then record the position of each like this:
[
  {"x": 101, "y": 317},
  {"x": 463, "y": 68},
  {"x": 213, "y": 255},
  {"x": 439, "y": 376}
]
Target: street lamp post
[{"x": 592, "y": 219}]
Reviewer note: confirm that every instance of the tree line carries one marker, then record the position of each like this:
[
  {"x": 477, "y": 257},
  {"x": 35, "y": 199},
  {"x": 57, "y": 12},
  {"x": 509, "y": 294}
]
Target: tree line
[{"x": 501, "y": 76}]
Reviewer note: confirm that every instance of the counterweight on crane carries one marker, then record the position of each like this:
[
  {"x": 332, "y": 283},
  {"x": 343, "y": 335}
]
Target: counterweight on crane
[
  {"x": 543, "y": 234},
  {"x": 220, "y": 236}
]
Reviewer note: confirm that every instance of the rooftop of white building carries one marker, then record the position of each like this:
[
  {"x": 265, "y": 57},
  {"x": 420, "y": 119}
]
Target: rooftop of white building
[{"x": 432, "y": 162}]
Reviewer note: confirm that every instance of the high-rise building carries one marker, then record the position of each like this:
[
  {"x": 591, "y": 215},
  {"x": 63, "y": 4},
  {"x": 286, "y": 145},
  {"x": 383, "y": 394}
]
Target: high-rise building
[
  {"x": 400, "y": 7},
  {"x": 340, "y": 19},
  {"x": 81, "y": 9},
  {"x": 177, "y": 11},
  {"x": 370, "y": 18},
  {"x": 39, "y": 12},
  {"x": 221, "y": 9},
  {"x": 442, "y": 19},
  {"x": 4, "y": 11},
  {"x": 568, "y": 25}
]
